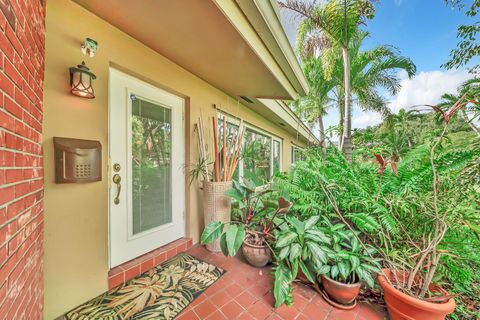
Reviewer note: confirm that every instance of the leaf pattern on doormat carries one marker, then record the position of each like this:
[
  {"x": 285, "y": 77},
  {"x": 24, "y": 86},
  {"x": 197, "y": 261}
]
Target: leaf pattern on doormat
[{"x": 160, "y": 293}]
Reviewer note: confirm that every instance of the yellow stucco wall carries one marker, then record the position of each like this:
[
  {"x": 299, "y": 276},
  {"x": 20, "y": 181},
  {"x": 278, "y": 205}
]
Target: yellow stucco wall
[{"x": 76, "y": 215}]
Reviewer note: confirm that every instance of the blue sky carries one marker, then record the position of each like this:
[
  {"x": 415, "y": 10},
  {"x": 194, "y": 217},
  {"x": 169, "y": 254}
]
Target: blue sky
[{"x": 425, "y": 31}]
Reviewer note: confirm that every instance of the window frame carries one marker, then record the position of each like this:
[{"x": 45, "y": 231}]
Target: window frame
[{"x": 248, "y": 126}]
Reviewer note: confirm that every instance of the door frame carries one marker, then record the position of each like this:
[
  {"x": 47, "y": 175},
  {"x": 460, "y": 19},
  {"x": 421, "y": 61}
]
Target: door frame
[{"x": 182, "y": 185}]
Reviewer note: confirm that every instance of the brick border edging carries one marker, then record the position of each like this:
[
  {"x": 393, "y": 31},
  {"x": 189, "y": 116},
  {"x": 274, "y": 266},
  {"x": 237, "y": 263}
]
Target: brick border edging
[{"x": 133, "y": 268}]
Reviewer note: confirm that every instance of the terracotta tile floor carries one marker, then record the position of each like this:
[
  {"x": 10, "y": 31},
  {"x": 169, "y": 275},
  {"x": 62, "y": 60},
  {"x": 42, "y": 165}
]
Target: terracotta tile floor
[{"x": 245, "y": 292}]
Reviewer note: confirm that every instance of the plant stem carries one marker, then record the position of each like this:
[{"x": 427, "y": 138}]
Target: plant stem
[
  {"x": 435, "y": 257},
  {"x": 379, "y": 187}
]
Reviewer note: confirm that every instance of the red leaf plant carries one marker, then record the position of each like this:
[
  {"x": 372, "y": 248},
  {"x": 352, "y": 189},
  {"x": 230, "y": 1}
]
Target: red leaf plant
[
  {"x": 447, "y": 115},
  {"x": 383, "y": 165}
]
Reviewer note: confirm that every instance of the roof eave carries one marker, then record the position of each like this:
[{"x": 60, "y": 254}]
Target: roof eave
[
  {"x": 263, "y": 15},
  {"x": 270, "y": 14},
  {"x": 259, "y": 24},
  {"x": 281, "y": 109}
]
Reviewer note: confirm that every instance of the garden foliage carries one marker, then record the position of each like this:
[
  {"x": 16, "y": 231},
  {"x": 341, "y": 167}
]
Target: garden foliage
[{"x": 403, "y": 210}]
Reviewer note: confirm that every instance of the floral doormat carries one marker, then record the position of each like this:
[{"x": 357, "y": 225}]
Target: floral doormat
[{"x": 160, "y": 293}]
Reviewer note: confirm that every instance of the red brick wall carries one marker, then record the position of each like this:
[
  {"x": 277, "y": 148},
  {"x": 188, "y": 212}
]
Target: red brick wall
[{"x": 22, "y": 52}]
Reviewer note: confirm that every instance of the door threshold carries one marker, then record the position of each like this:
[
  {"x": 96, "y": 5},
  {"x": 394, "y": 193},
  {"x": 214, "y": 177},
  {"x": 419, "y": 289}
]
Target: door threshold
[{"x": 139, "y": 265}]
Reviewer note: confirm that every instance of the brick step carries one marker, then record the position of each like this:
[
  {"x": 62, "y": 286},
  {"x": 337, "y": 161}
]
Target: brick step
[{"x": 133, "y": 268}]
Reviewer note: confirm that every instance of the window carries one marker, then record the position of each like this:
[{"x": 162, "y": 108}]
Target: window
[
  {"x": 232, "y": 131},
  {"x": 297, "y": 154},
  {"x": 261, "y": 153},
  {"x": 257, "y": 152},
  {"x": 276, "y": 157}
]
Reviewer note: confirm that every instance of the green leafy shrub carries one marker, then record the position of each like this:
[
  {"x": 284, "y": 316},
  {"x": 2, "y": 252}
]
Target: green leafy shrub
[
  {"x": 298, "y": 245},
  {"x": 255, "y": 221},
  {"x": 404, "y": 205},
  {"x": 348, "y": 261}
]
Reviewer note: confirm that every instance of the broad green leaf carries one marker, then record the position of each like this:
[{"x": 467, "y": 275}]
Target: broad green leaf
[
  {"x": 369, "y": 280},
  {"x": 306, "y": 271},
  {"x": 325, "y": 269},
  {"x": 234, "y": 194},
  {"x": 345, "y": 235},
  {"x": 320, "y": 235},
  {"x": 237, "y": 212},
  {"x": 279, "y": 222},
  {"x": 355, "y": 261},
  {"x": 337, "y": 227},
  {"x": 355, "y": 244},
  {"x": 336, "y": 238},
  {"x": 344, "y": 269},
  {"x": 312, "y": 221},
  {"x": 316, "y": 251},
  {"x": 238, "y": 186},
  {"x": 284, "y": 253},
  {"x": 282, "y": 286},
  {"x": 212, "y": 232},
  {"x": 295, "y": 268},
  {"x": 334, "y": 272},
  {"x": 286, "y": 239},
  {"x": 313, "y": 237},
  {"x": 305, "y": 253},
  {"x": 370, "y": 251},
  {"x": 295, "y": 251},
  {"x": 235, "y": 237},
  {"x": 223, "y": 244},
  {"x": 365, "y": 276},
  {"x": 371, "y": 268},
  {"x": 297, "y": 224}
]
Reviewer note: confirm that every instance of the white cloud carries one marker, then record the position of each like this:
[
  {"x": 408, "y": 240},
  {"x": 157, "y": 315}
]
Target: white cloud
[
  {"x": 427, "y": 88},
  {"x": 366, "y": 119},
  {"x": 424, "y": 88}
]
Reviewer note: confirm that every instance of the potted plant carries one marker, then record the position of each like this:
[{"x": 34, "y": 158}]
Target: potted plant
[
  {"x": 410, "y": 292},
  {"x": 255, "y": 218},
  {"x": 413, "y": 255},
  {"x": 300, "y": 248},
  {"x": 217, "y": 180},
  {"x": 349, "y": 264}
]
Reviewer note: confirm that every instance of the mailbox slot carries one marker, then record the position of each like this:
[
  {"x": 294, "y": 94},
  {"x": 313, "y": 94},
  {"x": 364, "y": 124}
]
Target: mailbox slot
[{"x": 77, "y": 160}]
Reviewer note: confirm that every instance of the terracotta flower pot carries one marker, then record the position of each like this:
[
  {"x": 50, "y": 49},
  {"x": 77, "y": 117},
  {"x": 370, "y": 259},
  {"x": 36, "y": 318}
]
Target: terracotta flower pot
[
  {"x": 257, "y": 256},
  {"x": 343, "y": 293},
  {"x": 401, "y": 306}
]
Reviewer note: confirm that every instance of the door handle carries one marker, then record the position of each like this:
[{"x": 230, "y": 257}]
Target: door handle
[{"x": 116, "y": 180}]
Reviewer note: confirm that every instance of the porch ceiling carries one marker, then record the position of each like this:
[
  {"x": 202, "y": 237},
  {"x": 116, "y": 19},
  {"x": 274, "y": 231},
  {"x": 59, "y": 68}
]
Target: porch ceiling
[{"x": 197, "y": 36}]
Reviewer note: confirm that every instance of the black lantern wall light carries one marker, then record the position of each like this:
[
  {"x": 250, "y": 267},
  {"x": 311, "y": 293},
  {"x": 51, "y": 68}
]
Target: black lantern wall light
[{"x": 81, "y": 78}]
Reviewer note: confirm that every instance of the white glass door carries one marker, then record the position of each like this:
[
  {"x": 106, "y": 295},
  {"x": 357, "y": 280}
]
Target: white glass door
[{"x": 147, "y": 195}]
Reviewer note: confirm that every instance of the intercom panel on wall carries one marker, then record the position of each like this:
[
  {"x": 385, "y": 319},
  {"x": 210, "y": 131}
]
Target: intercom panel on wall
[{"x": 77, "y": 160}]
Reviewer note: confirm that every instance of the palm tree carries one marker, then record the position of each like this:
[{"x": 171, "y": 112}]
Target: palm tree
[
  {"x": 374, "y": 69},
  {"x": 313, "y": 107},
  {"x": 331, "y": 27},
  {"x": 403, "y": 121},
  {"x": 371, "y": 70}
]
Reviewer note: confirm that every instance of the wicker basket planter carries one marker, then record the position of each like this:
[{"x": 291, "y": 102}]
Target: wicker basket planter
[{"x": 216, "y": 206}]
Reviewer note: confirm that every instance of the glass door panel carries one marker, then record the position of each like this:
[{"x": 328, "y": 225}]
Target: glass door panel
[{"x": 151, "y": 165}]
